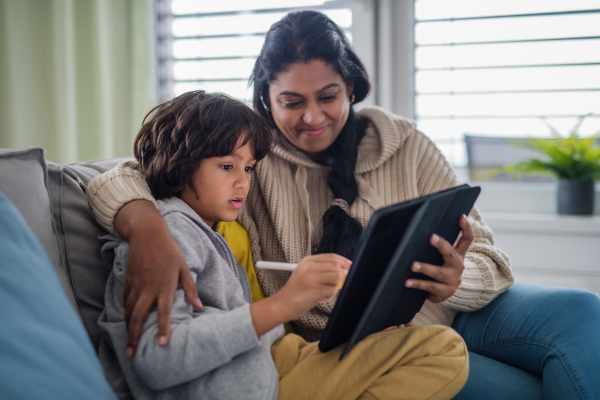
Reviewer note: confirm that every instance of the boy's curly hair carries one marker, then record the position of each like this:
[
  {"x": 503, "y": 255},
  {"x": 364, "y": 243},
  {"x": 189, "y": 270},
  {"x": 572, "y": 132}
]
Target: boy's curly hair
[{"x": 179, "y": 133}]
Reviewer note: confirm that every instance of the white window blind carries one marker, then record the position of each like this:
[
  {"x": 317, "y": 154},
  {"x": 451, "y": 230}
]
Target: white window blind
[
  {"x": 212, "y": 45},
  {"x": 495, "y": 67}
]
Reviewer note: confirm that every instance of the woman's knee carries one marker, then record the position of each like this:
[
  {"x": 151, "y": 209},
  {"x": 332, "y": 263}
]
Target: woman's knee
[
  {"x": 551, "y": 299},
  {"x": 567, "y": 303}
]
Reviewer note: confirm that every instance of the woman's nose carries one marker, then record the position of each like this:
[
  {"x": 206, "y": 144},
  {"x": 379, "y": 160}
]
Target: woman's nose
[{"x": 313, "y": 115}]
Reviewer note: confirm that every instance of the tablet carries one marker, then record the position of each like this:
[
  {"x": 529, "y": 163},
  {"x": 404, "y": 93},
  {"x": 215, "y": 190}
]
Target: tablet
[{"x": 374, "y": 297}]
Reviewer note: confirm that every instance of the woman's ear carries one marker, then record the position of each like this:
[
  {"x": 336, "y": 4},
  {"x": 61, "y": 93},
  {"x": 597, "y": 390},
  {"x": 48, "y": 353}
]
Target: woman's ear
[{"x": 351, "y": 93}]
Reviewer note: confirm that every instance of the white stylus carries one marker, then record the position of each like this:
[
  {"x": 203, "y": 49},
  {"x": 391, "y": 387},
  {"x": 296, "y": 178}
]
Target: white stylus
[{"x": 279, "y": 266}]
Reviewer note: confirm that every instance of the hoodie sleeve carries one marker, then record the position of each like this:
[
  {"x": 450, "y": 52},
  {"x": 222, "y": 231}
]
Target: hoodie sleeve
[
  {"x": 487, "y": 268},
  {"x": 110, "y": 191},
  {"x": 201, "y": 340}
]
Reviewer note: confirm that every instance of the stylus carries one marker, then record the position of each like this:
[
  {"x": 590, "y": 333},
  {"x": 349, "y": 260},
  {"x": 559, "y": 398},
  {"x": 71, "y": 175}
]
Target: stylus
[{"x": 280, "y": 266}]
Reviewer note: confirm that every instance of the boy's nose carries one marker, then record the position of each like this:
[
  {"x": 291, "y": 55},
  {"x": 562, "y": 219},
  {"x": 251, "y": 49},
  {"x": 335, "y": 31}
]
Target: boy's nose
[{"x": 243, "y": 180}]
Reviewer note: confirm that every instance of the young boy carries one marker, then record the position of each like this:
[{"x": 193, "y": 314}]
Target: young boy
[{"x": 197, "y": 153}]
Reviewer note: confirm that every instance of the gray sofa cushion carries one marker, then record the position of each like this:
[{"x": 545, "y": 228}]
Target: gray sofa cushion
[
  {"x": 51, "y": 198},
  {"x": 77, "y": 233},
  {"x": 23, "y": 179}
]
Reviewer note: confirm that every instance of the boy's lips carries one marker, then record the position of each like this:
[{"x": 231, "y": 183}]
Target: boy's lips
[{"x": 237, "y": 202}]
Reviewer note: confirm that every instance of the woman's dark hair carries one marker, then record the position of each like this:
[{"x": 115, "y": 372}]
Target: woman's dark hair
[
  {"x": 304, "y": 36},
  {"x": 179, "y": 133}
]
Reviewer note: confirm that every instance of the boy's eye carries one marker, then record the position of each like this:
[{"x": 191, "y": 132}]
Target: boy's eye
[
  {"x": 227, "y": 167},
  {"x": 250, "y": 168}
]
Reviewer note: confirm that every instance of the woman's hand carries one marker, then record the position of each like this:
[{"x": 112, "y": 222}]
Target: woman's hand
[
  {"x": 447, "y": 277},
  {"x": 154, "y": 268}
]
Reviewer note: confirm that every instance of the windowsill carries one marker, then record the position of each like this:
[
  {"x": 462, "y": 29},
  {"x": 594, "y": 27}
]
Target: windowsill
[
  {"x": 520, "y": 197},
  {"x": 544, "y": 224},
  {"x": 544, "y": 247},
  {"x": 530, "y": 208}
]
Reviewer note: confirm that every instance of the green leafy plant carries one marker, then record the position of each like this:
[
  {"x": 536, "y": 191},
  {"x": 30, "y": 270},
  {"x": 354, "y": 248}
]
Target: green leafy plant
[{"x": 567, "y": 157}]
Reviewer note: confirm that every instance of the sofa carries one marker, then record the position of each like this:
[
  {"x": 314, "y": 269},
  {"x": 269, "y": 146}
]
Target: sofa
[{"x": 51, "y": 200}]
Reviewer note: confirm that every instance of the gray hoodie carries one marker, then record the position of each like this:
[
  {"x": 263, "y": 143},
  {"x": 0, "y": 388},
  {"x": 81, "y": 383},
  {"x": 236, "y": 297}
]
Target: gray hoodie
[{"x": 214, "y": 352}]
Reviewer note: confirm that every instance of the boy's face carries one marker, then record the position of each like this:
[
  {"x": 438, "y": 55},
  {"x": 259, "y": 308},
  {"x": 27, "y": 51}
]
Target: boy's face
[{"x": 222, "y": 184}]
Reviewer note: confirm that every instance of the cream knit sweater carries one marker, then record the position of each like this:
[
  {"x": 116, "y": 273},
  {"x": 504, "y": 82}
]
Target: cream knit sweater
[{"x": 289, "y": 195}]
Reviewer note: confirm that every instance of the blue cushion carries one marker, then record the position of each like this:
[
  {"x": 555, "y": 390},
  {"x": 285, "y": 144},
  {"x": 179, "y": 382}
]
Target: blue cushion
[{"x": 45, "y": 352}]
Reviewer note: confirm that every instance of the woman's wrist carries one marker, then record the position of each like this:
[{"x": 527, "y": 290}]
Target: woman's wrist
[{"x": 138, "y": 217}]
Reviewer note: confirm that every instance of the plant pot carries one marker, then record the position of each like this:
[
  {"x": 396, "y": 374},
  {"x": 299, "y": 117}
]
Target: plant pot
[{"x": 575, "y": 197}]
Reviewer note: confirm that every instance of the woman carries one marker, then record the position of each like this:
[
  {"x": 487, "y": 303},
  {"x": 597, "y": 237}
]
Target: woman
[{"x": 329, "y": 170}]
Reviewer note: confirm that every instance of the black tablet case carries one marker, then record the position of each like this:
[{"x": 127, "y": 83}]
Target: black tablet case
[{"x": 374, "y": 296}]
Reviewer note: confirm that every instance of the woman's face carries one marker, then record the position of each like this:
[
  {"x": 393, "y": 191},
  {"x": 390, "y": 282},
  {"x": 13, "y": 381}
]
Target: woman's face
[{"x": 310, "y": 105}]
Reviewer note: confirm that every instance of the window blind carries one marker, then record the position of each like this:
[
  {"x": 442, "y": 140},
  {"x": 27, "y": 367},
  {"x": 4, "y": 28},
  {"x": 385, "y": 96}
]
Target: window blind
[
  {"x": 212, "y": 45},
  {"x": 497, "y": 68}
]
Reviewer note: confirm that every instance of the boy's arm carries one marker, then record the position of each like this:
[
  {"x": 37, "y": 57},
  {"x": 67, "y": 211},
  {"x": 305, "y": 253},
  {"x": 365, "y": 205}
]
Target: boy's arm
[{"x": 199, "y": 343}]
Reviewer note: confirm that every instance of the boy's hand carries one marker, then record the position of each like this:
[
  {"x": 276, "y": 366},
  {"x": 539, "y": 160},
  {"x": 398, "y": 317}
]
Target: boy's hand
[{"x": 316, "y": 279}]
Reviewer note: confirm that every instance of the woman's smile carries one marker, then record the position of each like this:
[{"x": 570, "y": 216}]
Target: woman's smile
[{"x": 314, "y": 132}]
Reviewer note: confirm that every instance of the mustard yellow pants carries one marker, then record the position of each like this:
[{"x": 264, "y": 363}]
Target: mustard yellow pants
[{"x": 407, "y": 363}]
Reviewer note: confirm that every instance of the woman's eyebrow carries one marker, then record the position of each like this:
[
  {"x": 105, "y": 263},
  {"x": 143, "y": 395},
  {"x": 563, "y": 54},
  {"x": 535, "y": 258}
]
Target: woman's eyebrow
[{"x": 288, "y": 93}]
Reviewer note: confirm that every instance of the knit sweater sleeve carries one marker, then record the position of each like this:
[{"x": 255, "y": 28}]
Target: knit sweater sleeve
[
  {"x": 487, "y": 269},
  {"x": 110, "y": 191}
]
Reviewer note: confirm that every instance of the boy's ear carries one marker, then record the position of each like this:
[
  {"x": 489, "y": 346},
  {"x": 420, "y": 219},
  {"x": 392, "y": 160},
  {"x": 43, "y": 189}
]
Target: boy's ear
[{"x": 190, "y": 185}]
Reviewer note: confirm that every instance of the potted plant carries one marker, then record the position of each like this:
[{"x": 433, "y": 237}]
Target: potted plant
[{"x": 573, "y": 159}]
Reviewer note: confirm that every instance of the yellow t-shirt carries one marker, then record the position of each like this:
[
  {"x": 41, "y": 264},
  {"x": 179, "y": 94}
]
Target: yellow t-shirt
[{"x": 239, "y": 241}]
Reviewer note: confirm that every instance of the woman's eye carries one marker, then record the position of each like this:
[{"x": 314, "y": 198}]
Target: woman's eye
[
  {"x": 227, "y": 167},
  {"x": 329, "y": 97},
  {"x": 291, "y": 104}
]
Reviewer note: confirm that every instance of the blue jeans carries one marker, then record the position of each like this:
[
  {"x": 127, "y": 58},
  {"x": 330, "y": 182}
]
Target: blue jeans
[{"x": 533, "y": 342}]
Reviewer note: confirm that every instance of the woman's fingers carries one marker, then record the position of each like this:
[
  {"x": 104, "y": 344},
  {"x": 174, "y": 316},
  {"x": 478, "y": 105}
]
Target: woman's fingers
[
  {"x": 189, "y": 287},
  {"x": 440, "y": 274},
  {"x": 164, "y": 306},
  {"x": 438, "y": 291},
  {"x": 137, "y": 317},
  {"x": 451, "y": 256},
  {"x": 466, "y": 237},
  {"x": 446, "y": 278}
]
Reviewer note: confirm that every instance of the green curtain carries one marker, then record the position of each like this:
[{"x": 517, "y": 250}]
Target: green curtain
[{"x": 75, "y": 76}]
